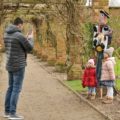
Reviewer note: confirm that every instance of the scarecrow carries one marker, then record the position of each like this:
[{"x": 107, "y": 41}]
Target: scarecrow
[{"x": 101, "y": 39}]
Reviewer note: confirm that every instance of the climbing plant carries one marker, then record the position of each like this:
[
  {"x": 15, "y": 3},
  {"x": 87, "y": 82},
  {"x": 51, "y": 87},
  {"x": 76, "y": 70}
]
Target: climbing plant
[
  {"x": 50, "y": 36},
  {"x": 87, "y": 33},
  {"x": 37, "y": 23}
]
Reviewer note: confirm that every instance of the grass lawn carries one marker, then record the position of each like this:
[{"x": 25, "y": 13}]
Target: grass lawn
[
  {"x": 117, "y": 67},
  {"x": 76, "y": 84},
  {"x": 117, "y": 72},
  {"x": 118, "y": 84}
]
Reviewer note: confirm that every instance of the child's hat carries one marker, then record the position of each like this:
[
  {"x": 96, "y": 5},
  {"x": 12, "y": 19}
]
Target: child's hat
[
  {"x": 91, "y": 61},
  {"x": 109, "y": 51}
]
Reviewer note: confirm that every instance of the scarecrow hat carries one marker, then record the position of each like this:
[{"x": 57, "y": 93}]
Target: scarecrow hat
[{"x": 105, "y": 13}]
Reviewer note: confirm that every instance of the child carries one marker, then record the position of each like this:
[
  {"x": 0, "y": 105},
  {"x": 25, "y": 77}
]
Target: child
[
  {"x": 108, "y": 75},
  {"x": 89, "y": 79}
]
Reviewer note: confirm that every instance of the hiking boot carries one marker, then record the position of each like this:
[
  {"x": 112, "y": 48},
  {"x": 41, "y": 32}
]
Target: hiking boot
[
  {"x": 108, "y": 101},
  {"x": 15, "y": 117},
  {"x": 6, "y": 115},
  {"x": 92, "y": 97},
  {"x": 88, "y": 96},
  {"x": 105, "y": 98}
]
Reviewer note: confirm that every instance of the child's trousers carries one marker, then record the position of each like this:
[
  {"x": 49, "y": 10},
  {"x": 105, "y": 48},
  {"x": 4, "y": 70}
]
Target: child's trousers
[
  {"x": 110, "y": 92},
  {"x": 92, "y": 90}
]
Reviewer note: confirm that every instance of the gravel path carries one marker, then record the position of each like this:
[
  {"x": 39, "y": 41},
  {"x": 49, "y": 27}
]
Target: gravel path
[{"x": 44, "y": 98}]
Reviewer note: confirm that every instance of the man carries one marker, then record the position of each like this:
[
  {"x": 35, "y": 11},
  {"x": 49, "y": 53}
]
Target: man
[{"x": 17, "y": 46}]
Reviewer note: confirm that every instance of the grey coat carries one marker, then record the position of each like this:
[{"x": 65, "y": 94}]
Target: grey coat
[{"x": 17, "y": 47}]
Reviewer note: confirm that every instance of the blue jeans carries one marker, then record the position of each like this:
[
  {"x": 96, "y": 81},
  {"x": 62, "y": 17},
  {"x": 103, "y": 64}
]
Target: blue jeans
[
  {"x": 91, "y": 90},
  {"x": 12, "y": 94}
]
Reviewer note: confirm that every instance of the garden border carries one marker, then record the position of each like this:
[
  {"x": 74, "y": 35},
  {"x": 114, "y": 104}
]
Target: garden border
[{"x": 84, "y": 100}]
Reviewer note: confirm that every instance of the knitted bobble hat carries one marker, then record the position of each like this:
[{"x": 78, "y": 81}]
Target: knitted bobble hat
[
  {"x": 109, "y": 51},
  {"x": 91, "y": 61}
]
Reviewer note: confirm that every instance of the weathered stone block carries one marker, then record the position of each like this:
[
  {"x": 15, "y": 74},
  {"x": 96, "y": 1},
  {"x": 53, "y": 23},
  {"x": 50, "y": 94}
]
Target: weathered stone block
[
  {"x": 75, "y": 72},
  {"x": 51, "y": 61}
]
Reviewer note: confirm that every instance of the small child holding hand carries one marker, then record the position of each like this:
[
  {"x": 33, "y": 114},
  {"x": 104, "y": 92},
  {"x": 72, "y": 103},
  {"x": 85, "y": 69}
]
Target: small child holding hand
[{"x": 89, "y": 79}]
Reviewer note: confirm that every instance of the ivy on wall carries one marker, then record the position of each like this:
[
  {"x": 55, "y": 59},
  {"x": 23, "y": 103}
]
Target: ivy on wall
[{"x": 37, "y": 22}]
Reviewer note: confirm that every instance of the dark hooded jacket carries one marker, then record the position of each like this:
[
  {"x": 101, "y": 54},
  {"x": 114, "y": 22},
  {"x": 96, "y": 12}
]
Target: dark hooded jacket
[{"x": 17, "y": 47}]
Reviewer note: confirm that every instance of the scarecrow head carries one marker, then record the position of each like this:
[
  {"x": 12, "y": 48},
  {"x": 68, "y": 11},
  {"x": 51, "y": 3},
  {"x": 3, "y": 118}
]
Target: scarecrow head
[{"x": 104, "y": 16}]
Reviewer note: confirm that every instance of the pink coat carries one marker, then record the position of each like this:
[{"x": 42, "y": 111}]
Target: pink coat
[{"x": 107, "y": 71}]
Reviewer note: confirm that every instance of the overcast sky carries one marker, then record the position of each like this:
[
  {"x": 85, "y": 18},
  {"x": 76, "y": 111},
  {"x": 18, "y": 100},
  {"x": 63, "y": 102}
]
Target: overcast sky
[{"x": 112, "y": 3}]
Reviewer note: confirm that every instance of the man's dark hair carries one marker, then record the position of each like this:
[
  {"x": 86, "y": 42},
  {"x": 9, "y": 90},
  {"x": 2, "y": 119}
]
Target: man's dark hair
[{"x": 18, "y": 21}]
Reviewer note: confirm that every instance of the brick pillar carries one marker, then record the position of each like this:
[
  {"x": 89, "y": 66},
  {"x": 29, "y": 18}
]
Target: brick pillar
[
  {"x": 44, "y": 49},
  {"x": 1, "y": 37},
  {"x": 73, "y": 40},
  {"x": 61, "y": 53},
  {"x": 51, "y": 53},
  {"x": 99, "y": 5},
  {"x": 37, "y": 48},
  {"x": 44, "y": 55}
]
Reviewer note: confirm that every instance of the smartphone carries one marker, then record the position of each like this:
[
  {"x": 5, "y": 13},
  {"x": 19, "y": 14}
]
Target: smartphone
[{"x": 30, "y": 32}]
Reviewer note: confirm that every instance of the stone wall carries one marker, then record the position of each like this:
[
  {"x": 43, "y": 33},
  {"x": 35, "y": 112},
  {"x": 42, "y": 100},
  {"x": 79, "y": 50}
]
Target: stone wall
[
  {"x": 115, "y": 25},
  {"x": 114, "y": 11}
]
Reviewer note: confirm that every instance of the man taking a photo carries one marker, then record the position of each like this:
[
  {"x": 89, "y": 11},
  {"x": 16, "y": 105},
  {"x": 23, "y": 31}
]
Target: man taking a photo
[{"x": 16, "y": 46}]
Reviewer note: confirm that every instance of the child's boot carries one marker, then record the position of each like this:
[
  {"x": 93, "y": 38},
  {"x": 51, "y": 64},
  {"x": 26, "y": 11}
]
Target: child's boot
[
  {"x": 109, "y": 100},
  {"x": 88, "y": 96},
  {"x": 92, "y": 96}
]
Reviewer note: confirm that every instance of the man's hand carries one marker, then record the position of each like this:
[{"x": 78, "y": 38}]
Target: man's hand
[{"x": 30, "y": 34}]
